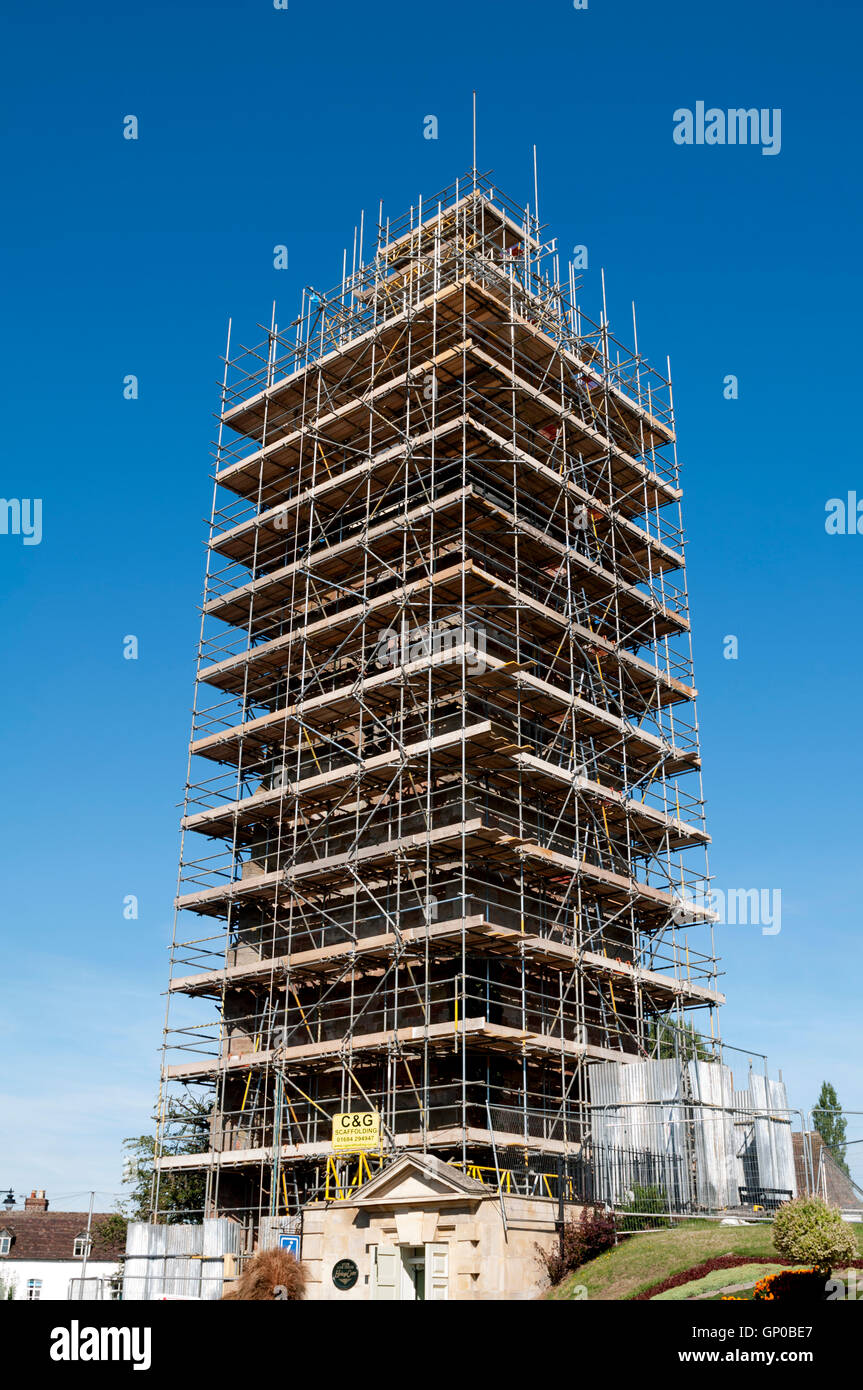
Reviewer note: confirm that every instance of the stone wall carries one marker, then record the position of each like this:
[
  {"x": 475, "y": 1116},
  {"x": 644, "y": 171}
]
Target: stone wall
[{"x": 483, "y": 1260}]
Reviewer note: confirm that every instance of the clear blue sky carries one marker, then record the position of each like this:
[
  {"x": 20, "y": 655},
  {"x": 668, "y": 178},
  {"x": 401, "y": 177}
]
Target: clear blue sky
[{"x": 257, "y": 127}]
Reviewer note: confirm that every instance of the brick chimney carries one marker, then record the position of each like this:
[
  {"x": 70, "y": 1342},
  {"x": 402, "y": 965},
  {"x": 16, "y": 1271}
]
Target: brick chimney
[{"x": 37, "y": 1201}]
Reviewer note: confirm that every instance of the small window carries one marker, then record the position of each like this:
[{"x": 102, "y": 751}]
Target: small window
[
  {"x": 5, "y": 1245},
  {"x": 34, "y": 1290},
  {"x": 81, "y": 1247}
]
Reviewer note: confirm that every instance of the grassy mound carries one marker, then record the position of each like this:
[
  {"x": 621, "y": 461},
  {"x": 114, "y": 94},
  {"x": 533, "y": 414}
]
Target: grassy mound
[{"x": 641, "y": 1262}]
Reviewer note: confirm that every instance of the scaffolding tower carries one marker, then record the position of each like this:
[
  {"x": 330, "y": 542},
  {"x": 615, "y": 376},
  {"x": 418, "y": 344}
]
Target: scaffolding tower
[{"x": 443, "y": 839}]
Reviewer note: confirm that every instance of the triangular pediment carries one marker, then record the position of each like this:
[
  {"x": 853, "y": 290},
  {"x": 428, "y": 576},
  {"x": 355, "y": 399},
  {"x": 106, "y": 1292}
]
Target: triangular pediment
[{"x": 417, "y": 1179}]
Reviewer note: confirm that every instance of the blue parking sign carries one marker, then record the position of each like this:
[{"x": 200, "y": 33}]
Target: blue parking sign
[{"x": 291, "y": 1243}]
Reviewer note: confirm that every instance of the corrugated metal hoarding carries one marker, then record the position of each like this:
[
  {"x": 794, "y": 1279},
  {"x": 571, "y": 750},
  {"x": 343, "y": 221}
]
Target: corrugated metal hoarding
[
  {"x": 685, "y": 1122},
  {"x": 178, "y": 1261}
]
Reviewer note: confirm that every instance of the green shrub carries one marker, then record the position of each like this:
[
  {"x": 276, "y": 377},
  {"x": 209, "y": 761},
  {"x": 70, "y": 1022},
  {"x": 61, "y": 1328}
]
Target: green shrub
[
  {"x": 808, "y": 1231},
  {"x": 646, "y": 1198},
  {"x": 583, "y": 1240}
]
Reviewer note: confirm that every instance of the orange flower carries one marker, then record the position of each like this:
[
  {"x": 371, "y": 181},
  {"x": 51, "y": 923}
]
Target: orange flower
[{"x": 774, "y": 1286}]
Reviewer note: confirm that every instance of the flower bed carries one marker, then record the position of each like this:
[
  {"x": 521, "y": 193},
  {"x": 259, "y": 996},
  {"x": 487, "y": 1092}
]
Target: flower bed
[{"x": 792, "y": 1286}]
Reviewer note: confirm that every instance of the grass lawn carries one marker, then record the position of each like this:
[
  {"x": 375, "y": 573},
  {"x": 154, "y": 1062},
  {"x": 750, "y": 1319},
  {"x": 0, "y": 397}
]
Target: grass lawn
[{"x": 644, "y": 1260}]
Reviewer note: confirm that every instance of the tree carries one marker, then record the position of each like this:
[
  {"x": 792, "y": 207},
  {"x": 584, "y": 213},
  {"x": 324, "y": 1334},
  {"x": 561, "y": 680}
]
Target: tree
[
  {"x": 831, "y": 1123},
  {"x": 668, "y": 1039},
  {"x": 112, "y": 1231},
  {"x": 181, "y": 1195}
]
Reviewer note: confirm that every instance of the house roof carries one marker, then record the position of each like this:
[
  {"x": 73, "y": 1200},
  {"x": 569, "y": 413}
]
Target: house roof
[
  {"x": 51, "y": 1235},
  {"x": 830, "y": 1181}
]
